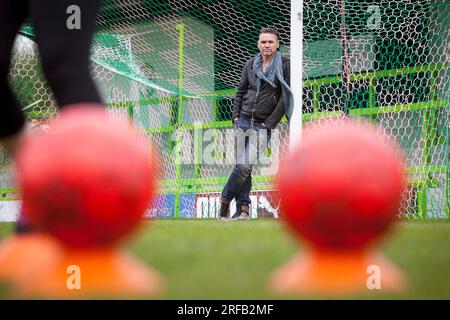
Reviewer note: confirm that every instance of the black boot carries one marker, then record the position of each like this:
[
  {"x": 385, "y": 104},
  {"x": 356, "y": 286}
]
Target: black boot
[{"x": 224, "y": 209}]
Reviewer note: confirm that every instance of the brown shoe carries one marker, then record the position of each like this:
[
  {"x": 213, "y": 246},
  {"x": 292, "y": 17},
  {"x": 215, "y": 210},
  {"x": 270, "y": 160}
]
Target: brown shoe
[
  {"x": 224, "y": 209},
  {"x": 243, "y": 216}
]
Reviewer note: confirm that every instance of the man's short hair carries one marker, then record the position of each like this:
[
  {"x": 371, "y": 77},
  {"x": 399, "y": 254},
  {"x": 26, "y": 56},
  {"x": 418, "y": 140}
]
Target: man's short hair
[{"x": 270, "y": 30}]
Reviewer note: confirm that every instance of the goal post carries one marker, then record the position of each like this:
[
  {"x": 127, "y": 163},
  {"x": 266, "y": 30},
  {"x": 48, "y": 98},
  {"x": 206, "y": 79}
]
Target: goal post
[{"x": 296, "y": 58}]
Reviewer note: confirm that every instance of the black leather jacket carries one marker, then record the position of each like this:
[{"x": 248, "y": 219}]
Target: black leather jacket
[{"x": 265, "y": 106}]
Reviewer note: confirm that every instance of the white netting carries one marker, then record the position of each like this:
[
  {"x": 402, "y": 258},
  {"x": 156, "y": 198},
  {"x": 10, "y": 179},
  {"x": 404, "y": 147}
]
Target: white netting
[{"x": 173, "y": 66}]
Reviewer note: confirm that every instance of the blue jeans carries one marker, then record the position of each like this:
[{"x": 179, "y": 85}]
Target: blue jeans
[{"x": 240, "y": 181}]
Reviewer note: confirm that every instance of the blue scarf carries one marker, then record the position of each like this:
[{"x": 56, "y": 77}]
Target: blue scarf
[{"x": 275, "y": 69}]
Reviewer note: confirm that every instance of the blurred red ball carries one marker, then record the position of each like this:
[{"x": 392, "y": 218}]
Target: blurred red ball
[
  {"x": 88, "y": 180},
  {"x": 341, "y": 187}
]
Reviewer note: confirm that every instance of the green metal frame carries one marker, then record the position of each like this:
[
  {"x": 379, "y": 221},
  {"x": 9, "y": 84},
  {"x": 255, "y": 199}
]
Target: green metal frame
[{"x": 180, "y": 28}]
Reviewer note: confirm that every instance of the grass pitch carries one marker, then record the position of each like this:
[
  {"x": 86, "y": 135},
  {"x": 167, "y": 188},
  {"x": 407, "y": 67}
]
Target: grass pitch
[{"x": 208, "y": 259}]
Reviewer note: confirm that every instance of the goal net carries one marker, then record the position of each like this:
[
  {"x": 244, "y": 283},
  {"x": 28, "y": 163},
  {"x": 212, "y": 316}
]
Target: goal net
[{"x": 172, "y": 67}]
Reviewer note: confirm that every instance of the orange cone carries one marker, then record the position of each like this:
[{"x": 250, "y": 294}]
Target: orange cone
[
  {"x": 24, "y": 256},
  {"x": 340, "y": 192},
  {"x": 82, "y": 273},
  {"x": 90, "y": 191},
  {"x": 337, "y": 272}
]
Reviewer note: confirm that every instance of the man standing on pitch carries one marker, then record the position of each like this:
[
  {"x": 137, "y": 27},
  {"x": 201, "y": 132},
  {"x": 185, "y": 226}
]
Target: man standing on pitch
[{"x": 262, "y": 97}]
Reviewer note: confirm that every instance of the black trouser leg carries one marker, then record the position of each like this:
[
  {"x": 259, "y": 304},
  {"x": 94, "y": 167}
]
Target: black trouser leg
[
  {"x": 64, "y": 51},
  {"x": 12, "y": 15}
]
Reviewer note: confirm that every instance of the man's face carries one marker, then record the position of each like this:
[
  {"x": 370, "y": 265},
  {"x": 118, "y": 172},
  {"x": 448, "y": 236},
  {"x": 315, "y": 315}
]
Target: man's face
[{"x": 267, "y": 44}]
